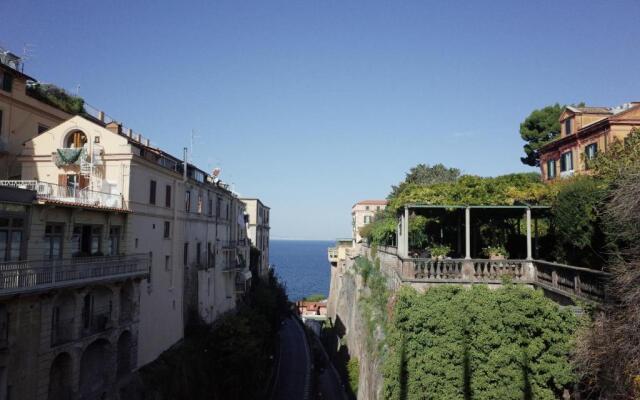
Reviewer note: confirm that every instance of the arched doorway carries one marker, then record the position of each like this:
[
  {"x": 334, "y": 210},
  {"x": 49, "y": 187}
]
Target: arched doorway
[
  {"x": 125, "y": 343},
  {"x": 94, "y": 374},
  {"x": 60, "y": 378}
]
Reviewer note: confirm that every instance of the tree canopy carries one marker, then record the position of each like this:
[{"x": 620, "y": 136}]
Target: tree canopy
[
  {"x": 538, "y": 129},
  {"x": 423, "y": 174}
]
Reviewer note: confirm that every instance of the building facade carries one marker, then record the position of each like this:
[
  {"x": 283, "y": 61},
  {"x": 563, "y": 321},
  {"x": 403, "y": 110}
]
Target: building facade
[
  {"x": 362, "y": 213},
  {"x": 258, "y": 232},
  {"x": 69, "y": 298},
  {"x": 191, "y": 226},
  {"x": 22, "y": 115},
  {"x": 584, "y": 132}
]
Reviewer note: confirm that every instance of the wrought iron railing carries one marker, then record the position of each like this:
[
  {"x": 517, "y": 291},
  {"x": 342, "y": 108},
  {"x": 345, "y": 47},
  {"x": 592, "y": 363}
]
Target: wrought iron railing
[
  {"x": 66, "y": 194},
  {"x": 33, "y": 275}
]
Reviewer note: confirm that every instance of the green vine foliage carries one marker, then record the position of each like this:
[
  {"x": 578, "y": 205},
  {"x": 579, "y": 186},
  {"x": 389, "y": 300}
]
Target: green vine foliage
[
  {"x": 457, "y": 343},
  {"x": 57, "y": 97},
  {"x": 476, "y": 190}
]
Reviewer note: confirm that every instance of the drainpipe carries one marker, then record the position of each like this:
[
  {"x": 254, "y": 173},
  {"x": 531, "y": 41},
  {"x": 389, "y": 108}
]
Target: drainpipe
[{"x": 184, "y": 169}]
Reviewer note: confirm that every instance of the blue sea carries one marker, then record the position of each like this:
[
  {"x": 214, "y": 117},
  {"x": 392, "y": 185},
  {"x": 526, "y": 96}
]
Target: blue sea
[{"x": 302, "y": 265}]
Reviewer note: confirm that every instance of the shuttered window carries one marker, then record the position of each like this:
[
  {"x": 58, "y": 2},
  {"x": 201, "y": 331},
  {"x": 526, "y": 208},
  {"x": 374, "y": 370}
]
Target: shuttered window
[{"x": 152, "y": 192}]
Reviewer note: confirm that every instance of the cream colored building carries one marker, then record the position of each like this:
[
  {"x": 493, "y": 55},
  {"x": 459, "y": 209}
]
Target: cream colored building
[
  {"x": 259, "y": 231},
  {"x": 362, "y": 213},
  {"x": 22, "y": 116},
  {"x": 188, "y": 224}
]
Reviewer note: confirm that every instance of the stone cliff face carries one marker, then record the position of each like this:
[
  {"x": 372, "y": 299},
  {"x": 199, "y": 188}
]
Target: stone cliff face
[{"x": 343, "y": 308}]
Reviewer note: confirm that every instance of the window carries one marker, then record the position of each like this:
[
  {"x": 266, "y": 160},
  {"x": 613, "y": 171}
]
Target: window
[
  {"x": 566, "y": 162},
  {"x": 7, "y": 81},
  {"x": 187, "y": 201},
  {"x": 185, "y": 254},
  {"x": 367, "y": 219},
  {"x": 568, "y": 126},
  {"x": 11, "y": 238},
  {"x": 152, "y": 192},
  {"x": 114, "y": 241},
  {"x": 167, "y": 196},
  {"x": 210, "y": 206},
  {"x": 218, "y": 206},
  {"x": 87, "y": 240},
  {"x": 591, "y": 151},
  {"x": 167, "y": 229},
  {"x": 198, "y": 251},
  {"x": 210, "y": 256},
  {"x": 366, "y": 208},
  {"x": 42, "y": 129},
  {"x": 199, "y": 209},
  {"x": 53, "y": 240},
  {"x": 551, "y": 169}
]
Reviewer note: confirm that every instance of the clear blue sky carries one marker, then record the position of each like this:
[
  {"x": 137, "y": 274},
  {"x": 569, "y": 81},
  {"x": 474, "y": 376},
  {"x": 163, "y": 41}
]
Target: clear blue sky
[{"x": 311, "y": 105}]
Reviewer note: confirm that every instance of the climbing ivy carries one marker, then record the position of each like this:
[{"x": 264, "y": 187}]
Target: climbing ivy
[{"x": 456, "y": 343}]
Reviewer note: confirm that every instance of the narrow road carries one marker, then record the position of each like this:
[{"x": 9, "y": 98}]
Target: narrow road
[{"x": 294, "y": 366}]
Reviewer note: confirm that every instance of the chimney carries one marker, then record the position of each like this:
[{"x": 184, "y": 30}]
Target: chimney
[
  {"x": 130, "y": 132},
  {"x": 115, "y": 127},
  {"x": 147, "y": 142},
  {"x": 101, "y": 116}
]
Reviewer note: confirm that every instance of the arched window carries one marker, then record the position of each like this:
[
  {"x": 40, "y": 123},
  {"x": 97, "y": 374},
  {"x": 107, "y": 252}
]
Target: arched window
[
  {"x": 94, "y": 374},
  {"x": 60, "y": 378},
  {"x": 75, "y": 139}
]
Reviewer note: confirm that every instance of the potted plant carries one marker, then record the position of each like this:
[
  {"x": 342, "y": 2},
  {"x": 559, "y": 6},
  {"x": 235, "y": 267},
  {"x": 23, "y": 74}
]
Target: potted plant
[
  {"x": 495, "y": 252},
  {"x": 439, "y": 252}
]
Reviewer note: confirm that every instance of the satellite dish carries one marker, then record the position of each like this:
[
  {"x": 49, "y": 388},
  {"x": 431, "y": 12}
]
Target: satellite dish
[{"x": 216, "y": 172}]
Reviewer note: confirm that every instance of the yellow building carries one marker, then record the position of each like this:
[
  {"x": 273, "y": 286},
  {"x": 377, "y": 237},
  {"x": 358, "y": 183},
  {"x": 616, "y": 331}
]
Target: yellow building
[
  {"x": 22, "y": 116},
  {"x": 584, "y": 132}
]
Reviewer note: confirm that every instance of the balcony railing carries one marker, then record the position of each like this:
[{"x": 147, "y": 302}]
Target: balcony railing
[
  {"x": 30, "y": 276},
  {"x": 476, "y": 270},
  {"x": 65, "y": 194},
  {"x": 585, "y": 283}
]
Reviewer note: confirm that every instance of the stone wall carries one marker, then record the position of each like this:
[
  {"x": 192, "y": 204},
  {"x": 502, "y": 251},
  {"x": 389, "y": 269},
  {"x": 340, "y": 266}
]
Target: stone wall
[{"x": 344, "y": 310}]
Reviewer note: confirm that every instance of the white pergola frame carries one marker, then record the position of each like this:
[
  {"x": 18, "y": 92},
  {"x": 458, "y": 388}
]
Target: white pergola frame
[{"x": 403, "y": 226}]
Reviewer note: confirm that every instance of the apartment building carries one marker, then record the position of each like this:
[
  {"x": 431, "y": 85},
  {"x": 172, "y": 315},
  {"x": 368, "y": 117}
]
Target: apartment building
[
  {"x": 23, "y": 114},
  {"x": 69, "y": 295},
  {"x": 258, "y": 232},
  {"x": 186, "y": 222},
  {"x": 584, "y": 132},
  {"x": 362, "y": 213}
]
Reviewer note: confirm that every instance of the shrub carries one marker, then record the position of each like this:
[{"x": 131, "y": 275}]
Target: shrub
[
  {"x": 575, "y": 216},
  {"x": 454, "y": 343},
  {"x": 57, "y": 97},
  {"x": 353, "y": 368}
]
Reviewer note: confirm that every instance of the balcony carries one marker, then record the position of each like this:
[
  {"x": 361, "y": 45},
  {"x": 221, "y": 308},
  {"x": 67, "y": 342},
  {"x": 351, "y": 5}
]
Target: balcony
[
  {"x": 33, "y": 276},
  {"x": 50, "y": 192}
]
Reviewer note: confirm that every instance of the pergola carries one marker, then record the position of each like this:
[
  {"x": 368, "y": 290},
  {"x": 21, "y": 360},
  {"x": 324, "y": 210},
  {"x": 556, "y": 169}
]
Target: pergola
[{"x": 509, "y": 211}]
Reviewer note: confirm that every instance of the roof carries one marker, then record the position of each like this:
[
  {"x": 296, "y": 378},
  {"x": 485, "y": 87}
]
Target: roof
[
  {"x": 17, "y": 73},
  {"x": 590, "y": 110},
  {"x": 372, "y": 202}
]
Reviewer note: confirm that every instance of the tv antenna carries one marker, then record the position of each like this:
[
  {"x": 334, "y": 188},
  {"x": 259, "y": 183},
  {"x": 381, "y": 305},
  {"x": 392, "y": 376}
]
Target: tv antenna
[{"x": 28, "y": 53}]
